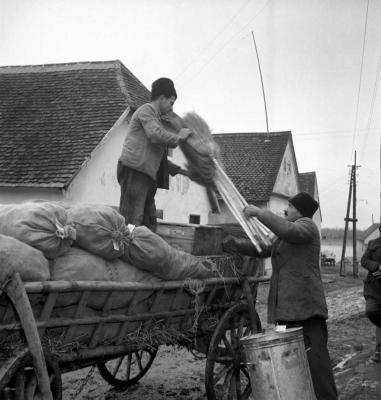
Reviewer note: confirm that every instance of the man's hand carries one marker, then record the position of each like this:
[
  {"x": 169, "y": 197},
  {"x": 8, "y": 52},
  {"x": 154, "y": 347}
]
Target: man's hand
[
  {"x": 184, "y": 134},
  {"x": 251, "y": 211}
]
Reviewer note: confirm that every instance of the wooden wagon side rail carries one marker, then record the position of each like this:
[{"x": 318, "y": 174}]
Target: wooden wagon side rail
[
  {"x": 61, "y": 322},
  {"x": 79, "y": 286}
]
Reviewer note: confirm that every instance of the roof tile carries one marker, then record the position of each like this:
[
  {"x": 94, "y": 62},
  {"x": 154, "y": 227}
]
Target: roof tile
[
  {"x": 252, "y": 162},
  {"x": 53, "y": 116}
]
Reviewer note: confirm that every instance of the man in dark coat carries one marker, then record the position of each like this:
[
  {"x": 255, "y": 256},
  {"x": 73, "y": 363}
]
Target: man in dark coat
[
  {"x": 296, "y": 296},
  {"x": 371, "y": 260},
  {"x": 143, "y": 164}
]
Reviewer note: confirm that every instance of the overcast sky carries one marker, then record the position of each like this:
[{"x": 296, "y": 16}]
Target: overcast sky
[{"x": 312, "y": 58}]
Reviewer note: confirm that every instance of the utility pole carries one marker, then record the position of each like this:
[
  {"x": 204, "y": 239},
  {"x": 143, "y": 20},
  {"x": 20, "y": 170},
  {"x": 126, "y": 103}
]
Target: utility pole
[{"x": 347, "y": 219}]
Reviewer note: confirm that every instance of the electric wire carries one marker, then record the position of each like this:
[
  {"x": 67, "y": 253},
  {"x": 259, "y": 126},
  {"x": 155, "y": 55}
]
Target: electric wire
[
  {"x": 371, "y": 112},
  {"x": 206, "y": 47},
  {"x": 360, "y": 80},
  {"x": 219, "y": 50}
]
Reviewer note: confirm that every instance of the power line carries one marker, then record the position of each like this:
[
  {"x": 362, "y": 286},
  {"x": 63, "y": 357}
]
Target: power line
[
  {"x": 374, "y": 96},
  {"x": 360, "y": 80},
  {"x": 206, "y": 47},
  {"x": 223, "y": 46}
]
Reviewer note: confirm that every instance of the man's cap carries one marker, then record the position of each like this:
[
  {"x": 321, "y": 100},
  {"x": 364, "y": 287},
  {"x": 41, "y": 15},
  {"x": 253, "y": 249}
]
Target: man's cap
[
  {"x": 305, "y": 204},
  {"x": 163, "y": 86}
]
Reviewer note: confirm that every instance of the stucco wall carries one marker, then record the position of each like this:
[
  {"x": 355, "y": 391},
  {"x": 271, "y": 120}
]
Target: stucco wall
[
  {"x": 10, "y": 195},
  {"x": 183, "y": 198},
  {"x": 96, "y": 181},
  {"x": 287, "y": 181}
]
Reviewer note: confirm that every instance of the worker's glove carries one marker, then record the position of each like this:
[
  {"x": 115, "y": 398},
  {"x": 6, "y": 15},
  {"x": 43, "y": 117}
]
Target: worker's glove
[{"x": 242, "y": 246}]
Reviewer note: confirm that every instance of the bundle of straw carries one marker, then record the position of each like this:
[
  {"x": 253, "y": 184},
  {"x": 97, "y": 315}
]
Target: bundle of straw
[{"x": 202, "y": 155}]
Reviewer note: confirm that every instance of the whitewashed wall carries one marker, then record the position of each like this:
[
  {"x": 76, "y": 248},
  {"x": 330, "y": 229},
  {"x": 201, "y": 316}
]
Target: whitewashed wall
[
  {"x": 9, "y": 195},
  {"x": 183, "y": 198},
  {"x": 96, "y": 181}
]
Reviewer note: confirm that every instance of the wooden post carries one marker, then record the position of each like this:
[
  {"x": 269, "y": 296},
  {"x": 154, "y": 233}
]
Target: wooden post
[
  {"x": 16, "y": 292},
  {"x": 342, "y": 261},
  {"x": 355, "y": 264}
]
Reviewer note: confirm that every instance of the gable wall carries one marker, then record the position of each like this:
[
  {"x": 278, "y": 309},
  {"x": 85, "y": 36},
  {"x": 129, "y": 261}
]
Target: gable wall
[
  {"x": 287, "y": 181},
  {"x": 10, "y": 195},
  {"x": 96, "y": 181}
]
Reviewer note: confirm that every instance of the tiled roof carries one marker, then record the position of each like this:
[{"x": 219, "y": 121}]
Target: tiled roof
[
  {"x": 252, "y": 162},
  {"x": 307, "y": 181},
  {"x": 53, "y": 116}
]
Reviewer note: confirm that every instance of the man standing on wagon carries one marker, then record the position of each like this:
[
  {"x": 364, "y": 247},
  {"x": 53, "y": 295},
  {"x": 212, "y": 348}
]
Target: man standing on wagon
[
  {"x": 143, "y": 164},
  {"x": 296, "y": 296}
]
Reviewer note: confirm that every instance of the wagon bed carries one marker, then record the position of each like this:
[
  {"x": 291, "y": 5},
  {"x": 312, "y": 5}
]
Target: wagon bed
[{"x": 58, "y": 326}]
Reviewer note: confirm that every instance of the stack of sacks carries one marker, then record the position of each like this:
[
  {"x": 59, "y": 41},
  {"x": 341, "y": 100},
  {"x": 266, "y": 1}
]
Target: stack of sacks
[
  {"x": 30, "y": 263},
  {"x": 100, "y": 230},
  {"x": 151, "y": 253},
  {"x": 44, "y": 226}
]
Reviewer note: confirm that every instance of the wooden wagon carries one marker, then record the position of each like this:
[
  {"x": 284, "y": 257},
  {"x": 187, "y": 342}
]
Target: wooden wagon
[{"x": 39, "y": 341}]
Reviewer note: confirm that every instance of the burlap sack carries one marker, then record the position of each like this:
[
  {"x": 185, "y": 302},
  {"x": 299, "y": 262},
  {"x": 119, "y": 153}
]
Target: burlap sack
[
  {"x": 79, "y": 265},
  {"x": 16, "y": 256},
  {"x": 42, "y": 225},
  {"x": 100, "y": 230},
  {"x": 151, "y": 253}
]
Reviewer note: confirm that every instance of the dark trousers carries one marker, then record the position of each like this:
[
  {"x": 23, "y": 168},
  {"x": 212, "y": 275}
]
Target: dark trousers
[
  {"x": 315, "y": 339},
  {"x": 373, "y": 310},
  {"x": 137, "y": 197}
]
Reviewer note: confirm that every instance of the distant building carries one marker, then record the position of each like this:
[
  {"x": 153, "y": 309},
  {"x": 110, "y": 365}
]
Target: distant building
[
  {"x": 264, "y": 169},
  {"x": 370, "y": 233},
  {"x": 308, "y": 183}
]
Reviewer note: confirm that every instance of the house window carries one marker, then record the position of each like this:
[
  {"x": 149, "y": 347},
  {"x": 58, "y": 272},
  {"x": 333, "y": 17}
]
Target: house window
[
  {"x": 194, "y": 219},
  {"x": 159, "y": 214}
]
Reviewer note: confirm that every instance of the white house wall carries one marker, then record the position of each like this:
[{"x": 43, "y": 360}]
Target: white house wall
[
  {"x": 97, "y": 183},
  {"x": 287, "y": 181},
  {"x": 9, "y": 195},
  {"x": 317, "y": 218},
  {"x": 183, "y": 198}
]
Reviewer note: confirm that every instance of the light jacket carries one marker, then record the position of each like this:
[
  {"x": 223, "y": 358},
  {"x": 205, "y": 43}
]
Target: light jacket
[{"x": 146, "y": 141}]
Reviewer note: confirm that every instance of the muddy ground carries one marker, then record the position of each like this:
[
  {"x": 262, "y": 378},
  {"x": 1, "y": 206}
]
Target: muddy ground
[{"x": 177, "y": 374}]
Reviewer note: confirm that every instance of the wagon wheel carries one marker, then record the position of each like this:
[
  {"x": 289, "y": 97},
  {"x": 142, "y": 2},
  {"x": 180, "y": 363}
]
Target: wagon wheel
[
  {"x": 127, "y": 370},
  {"x": 22, "y": 382},
  {"x": 226, "y": 376}
]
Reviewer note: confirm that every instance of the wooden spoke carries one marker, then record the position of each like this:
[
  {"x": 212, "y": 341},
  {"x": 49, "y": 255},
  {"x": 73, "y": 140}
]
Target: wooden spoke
[
  {"x": 227, "y": 344},
  {"x": 116, "y": 369},
  {"x": 229, "y": 378},
  {"x": 124, "y": 374},
  {"x": 224, "y": 371},
  {"x": 237, "y": 383},
  {"x": 139, "y": 361},
  {"x": 241, "y": 323},
  {"x": 129, "y": 362}
]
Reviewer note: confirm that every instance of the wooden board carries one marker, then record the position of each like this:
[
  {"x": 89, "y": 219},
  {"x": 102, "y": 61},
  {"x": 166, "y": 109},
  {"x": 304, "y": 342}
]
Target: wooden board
[{"x": 199, "y": 240}]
